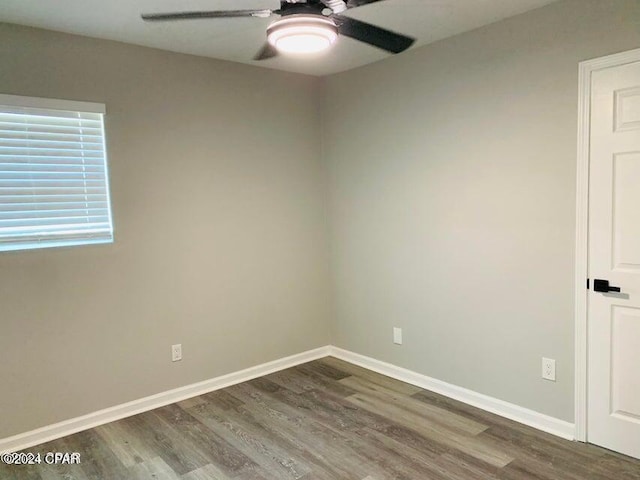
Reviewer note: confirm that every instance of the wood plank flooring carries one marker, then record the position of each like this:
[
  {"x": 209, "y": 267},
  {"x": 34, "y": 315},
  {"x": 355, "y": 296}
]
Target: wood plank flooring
[{"x": 324, "y": 420}]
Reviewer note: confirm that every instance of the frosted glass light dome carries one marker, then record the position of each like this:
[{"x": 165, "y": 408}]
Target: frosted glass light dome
[{"x": 302, "y": 34}]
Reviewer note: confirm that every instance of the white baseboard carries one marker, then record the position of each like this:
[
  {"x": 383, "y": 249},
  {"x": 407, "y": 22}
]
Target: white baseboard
[
  {"x": 74, "y": 425},
  {"x": 508, "y": 410}
]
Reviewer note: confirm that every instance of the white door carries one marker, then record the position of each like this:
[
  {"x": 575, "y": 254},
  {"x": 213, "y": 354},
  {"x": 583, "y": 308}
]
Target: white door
[{"x": 614, "y": 256}]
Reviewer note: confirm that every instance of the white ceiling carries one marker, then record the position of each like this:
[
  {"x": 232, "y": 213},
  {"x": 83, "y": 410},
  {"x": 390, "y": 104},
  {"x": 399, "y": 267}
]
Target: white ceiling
[{"x": 239, "y": 39}]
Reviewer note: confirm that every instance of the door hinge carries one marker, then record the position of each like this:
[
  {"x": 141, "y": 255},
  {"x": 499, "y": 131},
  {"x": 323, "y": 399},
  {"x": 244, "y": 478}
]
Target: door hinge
[{"x": 587, "y": 284}]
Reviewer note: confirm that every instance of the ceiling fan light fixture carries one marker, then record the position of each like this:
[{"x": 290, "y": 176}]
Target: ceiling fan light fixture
[{"x": 302, "y": 34}]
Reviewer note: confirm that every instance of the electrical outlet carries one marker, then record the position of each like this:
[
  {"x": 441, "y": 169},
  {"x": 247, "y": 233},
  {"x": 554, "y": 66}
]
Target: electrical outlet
[
  {"x": 397, "y": 336},
  {"x": 176, "y": 352},
  {"x": 549, "y": 369}
]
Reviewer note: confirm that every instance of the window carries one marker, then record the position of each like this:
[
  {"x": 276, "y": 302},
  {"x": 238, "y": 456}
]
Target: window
[{"x": 54, "y": 187}]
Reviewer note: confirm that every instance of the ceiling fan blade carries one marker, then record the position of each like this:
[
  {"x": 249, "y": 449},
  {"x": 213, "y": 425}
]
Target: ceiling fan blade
[
  {"x": 267, "y": 51},
  {"x": 160, "y": 17},
  {"x": 376, "y": 36}
]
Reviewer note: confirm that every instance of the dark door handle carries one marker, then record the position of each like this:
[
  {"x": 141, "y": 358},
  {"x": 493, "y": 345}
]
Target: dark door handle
[{"x": 603, "y": 286}]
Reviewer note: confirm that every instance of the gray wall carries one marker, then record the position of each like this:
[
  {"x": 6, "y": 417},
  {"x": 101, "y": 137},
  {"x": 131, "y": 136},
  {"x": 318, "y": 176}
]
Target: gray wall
[
  {"x": 452, "y": 200},
  {"x": 450, "y": 175},
  {"x": 219, "y": 223}
]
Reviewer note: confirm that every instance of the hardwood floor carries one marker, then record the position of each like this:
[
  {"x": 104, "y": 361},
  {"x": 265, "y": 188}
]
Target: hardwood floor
[{"x": 324, "y": 420}]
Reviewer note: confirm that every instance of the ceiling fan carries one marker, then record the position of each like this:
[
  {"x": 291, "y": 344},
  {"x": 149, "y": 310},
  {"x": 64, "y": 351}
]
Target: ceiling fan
[{"x": 305, "y": 26}]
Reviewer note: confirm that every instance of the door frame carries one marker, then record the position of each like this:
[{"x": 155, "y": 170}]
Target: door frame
[{"x": 585, "y": 70}]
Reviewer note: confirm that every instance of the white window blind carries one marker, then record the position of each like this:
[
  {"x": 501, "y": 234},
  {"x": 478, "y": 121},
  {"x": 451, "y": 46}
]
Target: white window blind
[{"x": 54, "y": 187}]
